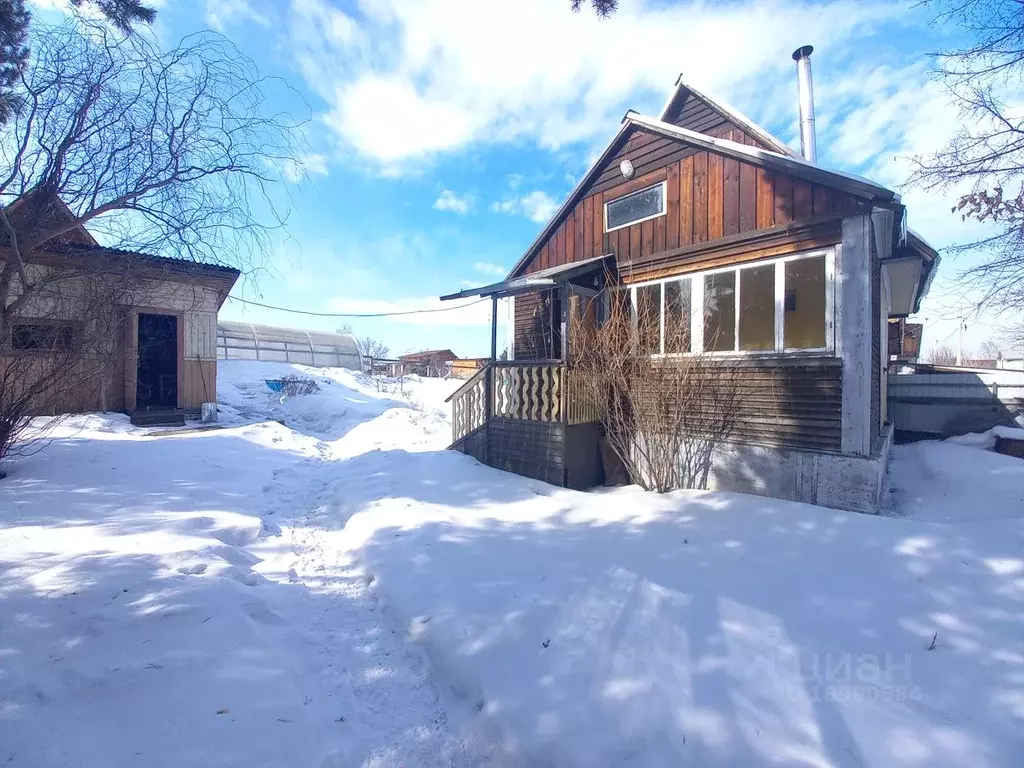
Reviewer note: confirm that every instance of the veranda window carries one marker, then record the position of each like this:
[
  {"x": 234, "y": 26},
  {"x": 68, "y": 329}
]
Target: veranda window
[{"x": 766, "y": 307}]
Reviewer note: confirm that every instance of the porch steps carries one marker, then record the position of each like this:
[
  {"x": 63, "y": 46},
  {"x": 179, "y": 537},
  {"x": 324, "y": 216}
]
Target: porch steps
[{"x": 170, "y": 417}]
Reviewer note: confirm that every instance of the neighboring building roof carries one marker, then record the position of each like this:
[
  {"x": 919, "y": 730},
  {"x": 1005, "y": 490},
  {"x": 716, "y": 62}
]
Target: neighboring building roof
[
  {"x": 427, "y": 355},
  {"x": 735, "y": 116},
  {"x": 185, "y": 266}
]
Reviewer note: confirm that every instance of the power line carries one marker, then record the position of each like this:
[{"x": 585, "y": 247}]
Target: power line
[{"x": 356, "y": 314}]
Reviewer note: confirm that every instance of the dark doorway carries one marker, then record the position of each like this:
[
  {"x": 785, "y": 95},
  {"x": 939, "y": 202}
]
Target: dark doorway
[{"x": 157, "y": 383}]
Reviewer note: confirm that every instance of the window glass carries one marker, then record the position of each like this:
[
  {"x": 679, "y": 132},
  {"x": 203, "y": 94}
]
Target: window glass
[
  {"x": 677, "y": 316},
  {"x": 639, "y": 205},
  {"x": 720, "y": 312},
  {"x": 41, "y": 336},
  {"x": 804, "y": 323},
  {"x": 757, "y": 308},
  {"x": 648, "y": 317}
]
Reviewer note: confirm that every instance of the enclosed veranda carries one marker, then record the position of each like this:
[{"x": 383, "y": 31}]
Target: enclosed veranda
[{"x": 530, "y": 415}]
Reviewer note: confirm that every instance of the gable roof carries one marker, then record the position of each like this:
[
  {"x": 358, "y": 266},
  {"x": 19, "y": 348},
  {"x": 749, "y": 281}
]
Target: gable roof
[
  {"x": 428, "y": 355},
  {"x": 51, "y": 209},
  {"x": 682, "y": 91},
  {"x": 847, "y": 182}
]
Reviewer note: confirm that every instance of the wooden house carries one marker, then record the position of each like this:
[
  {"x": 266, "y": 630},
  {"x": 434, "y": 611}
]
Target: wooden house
[
  {"x": 157, "y": 357},
  {"x": 784, "y": 268},
  {"x": 430, "y": 362}
]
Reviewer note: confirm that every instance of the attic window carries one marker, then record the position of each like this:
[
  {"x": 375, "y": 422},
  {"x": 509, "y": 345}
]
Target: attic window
[{"x": 636, "y": 207}]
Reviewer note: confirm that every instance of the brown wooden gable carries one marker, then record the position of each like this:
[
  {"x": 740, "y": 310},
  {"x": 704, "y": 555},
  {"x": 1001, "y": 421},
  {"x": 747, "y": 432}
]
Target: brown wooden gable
[
  {"x": 710, "y": 197},
  {"x": 690, "y": 111}
]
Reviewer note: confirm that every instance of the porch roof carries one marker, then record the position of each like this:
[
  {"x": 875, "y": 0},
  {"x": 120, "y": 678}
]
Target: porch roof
[{"x": 536, "y": 281}]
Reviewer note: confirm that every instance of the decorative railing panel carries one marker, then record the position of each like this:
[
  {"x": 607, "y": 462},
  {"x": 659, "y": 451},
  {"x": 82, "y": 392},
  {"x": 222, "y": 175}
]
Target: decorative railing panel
[
  {"x": 469, "y": 409},
  {"x": 582, "y": 401},
  {"x": 531, "y": 392}
]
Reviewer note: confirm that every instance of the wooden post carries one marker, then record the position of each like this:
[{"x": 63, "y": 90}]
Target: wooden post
[
  {"x": 494, "y": 328},
  {"x": 489, "y": 379},
  {"x": 564, "y": 320}
]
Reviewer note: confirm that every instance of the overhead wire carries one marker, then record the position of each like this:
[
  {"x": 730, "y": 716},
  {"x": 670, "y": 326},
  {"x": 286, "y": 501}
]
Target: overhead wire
[{"x": 356, "y": 314}]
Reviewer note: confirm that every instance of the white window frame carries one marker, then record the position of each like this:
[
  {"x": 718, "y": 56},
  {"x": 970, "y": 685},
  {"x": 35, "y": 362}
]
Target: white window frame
[
  {"x": 697, "y": 307},
  {"x": 663, "y": 212}
]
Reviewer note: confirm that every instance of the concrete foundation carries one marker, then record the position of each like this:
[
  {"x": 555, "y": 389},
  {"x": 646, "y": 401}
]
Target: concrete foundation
[{"x": 833, "y": 480}]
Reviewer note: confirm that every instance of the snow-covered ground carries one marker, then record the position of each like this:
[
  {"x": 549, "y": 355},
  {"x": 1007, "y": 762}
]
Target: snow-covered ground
[{"x": 339, "y": 590}]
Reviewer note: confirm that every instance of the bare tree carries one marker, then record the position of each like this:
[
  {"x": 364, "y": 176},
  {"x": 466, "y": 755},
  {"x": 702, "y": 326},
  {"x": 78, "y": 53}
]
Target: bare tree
[
  {"x": 942, "y": 354},
  {"x": 166, "y": 153},
  {"x": 372, "y": 348},
  {"x": 663, "y": 416},
  {"x": 14, "y": 27},
  {"x": 987, "y": 154},
  {"x": 368, "y": 347},
  {"x": 990, "y": 350}
]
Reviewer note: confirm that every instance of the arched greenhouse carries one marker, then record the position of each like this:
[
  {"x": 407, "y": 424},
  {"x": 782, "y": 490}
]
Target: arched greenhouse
[{"x": 245, "y": 341}]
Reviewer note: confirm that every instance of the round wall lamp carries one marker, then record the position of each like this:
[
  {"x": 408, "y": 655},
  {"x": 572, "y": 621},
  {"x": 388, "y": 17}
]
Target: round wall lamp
[{"x": 627, "y": 169}]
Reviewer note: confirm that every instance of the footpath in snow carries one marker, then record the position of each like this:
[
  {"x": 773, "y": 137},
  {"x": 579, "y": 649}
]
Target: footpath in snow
[
  {"x": 517, "y": 624},
  {"x": 168, "y": 601}
]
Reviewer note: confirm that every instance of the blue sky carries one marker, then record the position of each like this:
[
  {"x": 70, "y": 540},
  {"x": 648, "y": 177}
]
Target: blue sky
[{"x": 443, "y": 133}]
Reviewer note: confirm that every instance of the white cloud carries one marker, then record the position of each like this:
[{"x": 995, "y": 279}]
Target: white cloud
[
  {"x": 449, "y": 201},
  {"x": 467, "y": 312},
  {"x": 302, "y": 167},
  {"x": 490, "y": 269},
  {"x": 411, "y": 78},
  {"x": 222, "y": 13},
  {"x": 537, "y": 206}
]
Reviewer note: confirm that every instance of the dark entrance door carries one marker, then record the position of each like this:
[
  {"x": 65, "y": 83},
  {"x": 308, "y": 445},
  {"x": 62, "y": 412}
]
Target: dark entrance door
[{"x": 157, "y": 382}]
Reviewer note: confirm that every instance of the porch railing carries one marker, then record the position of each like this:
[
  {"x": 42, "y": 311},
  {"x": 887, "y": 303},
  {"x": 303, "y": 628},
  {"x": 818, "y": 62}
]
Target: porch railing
[
  {"x": 469, "y": 407},
  {"x": 535, "y": 390},
  {"x": 531, "y": 391}
]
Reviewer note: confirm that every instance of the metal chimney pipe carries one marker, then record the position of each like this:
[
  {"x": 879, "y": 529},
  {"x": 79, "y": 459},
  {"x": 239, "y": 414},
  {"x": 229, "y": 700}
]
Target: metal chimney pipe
[{"x": 808, "y": 144}]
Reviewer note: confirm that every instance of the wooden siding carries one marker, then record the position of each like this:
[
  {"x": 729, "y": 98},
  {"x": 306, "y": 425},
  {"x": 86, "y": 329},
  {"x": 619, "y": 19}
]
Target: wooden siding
[
  {"x": 199, "y": 383},
  {"x": 709, "y": 197},
  {"x": 784, "y": 402},
  {"x": 528, "y": 448},
  {"x": 530, "y": 320},
  {"x": 583, "y": 456},
  {"x": 738, "y": 249},
  {"x": 790, "y": 403},
  {"x": 695, "y": 114}
]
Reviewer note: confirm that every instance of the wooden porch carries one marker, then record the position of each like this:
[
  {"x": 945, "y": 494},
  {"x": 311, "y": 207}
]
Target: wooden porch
[{"x": 531, "y": 418}]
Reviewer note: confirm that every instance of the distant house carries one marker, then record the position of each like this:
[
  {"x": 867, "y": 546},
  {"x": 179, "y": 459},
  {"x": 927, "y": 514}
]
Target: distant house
[
  {"x": 160, "y": 354},
  {"x": 904, "y": 343},
  {"x": 785, "y": 268},
  {"x": 466, "y": 367},
  {"x": 431, "y": 362}
]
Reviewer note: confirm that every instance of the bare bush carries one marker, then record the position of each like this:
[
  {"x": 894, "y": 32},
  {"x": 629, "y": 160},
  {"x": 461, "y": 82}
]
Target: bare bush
[
  {"x": 663, "y": 416},
  {"x": 298, "y": 385}
]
